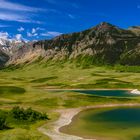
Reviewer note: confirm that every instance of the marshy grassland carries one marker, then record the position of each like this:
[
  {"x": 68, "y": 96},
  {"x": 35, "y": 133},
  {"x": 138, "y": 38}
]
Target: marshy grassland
[{"x": 27, "y": 87}]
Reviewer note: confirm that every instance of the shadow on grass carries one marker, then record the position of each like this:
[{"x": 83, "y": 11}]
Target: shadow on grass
[
  {"x": 108, "y": 83},
  {"x": 42, "y": 80},
  {"x": 11, "y": 90},
  {"x": 136, "y": 138},
  {"x": 6, "y": 128}
]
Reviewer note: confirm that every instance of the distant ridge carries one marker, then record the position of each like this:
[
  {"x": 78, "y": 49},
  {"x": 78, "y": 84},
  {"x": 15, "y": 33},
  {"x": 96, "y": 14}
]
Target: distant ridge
[{"x": 102, "y": 44}]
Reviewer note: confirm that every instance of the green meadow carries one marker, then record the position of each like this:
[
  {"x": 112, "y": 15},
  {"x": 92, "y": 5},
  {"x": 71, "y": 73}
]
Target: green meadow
[{"x": 26, "y": 86}]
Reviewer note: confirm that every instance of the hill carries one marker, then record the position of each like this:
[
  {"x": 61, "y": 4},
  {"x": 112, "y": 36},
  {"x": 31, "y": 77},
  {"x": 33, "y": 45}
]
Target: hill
[{"x": 102, "y": 44}]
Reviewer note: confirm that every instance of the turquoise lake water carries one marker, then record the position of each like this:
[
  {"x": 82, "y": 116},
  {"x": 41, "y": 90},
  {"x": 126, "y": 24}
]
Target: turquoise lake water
[{"x": 114, "y": 93}]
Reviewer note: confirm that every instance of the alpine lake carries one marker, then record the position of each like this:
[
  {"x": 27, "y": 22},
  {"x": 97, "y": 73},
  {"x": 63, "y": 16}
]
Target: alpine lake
[{"x": 112, "y": 123}]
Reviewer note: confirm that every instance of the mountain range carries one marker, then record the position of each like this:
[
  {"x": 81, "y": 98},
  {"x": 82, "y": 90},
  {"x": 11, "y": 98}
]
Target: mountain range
[{"x": 102, "y": 44}]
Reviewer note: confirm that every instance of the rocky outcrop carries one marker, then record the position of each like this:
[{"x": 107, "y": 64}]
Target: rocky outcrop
[{"x": 3, "y": 59}]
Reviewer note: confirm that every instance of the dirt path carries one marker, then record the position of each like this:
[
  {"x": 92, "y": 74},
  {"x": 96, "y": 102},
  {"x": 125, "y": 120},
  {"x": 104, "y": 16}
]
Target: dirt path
[{"x": 66, "y": 116}]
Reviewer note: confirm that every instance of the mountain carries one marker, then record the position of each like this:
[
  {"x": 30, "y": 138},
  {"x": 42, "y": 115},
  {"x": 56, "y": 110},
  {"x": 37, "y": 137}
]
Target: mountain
[
  {"x": 102, "y": 44},
  {"x": 8, "y": 47}
]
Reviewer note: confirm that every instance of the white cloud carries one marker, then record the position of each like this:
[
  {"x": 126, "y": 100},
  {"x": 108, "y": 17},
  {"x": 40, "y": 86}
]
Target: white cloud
[
  {"x": 4, "y": 4},
  {"x": 41, "y": 29},
  {"x": 21, "y": 29},
  {"x": 51, "y": 34},
  {"x": 36, "y": 34},
  {"x": 18, "y": 37},
  {"x": 4, "y": 35},
  {"x": 33, "y": 30},
  {"x": 31, "y": 34},
  {"x": 10, "y": 11},
  {"x": 15, "y": 17}
]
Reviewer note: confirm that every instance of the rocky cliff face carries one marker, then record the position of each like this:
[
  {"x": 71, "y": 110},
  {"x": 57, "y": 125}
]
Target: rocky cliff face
[
  {"x": 3, "y": 58},
  {"x": 104, "y": 43}
]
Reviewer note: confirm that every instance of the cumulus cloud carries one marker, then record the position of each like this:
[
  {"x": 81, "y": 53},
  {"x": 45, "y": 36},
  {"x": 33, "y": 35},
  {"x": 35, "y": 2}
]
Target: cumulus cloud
[
  {"x": 29, "y": 34},
  {"x": 4, "y": 35},
  {"x": 7, "y": 36},
  {"x": 32, "y": 34},
  {"x": 21, "y": 29},
  {"x": 18, "y": 37},
  {"x": 33, "y": 30}
]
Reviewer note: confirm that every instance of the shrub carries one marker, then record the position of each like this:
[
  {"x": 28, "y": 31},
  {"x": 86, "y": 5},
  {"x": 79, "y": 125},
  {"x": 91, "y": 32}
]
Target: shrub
[
  {"x": 3, "y": 123},
  {"x": 24, "y": 116},
  {"x": 27, "y": 114}
]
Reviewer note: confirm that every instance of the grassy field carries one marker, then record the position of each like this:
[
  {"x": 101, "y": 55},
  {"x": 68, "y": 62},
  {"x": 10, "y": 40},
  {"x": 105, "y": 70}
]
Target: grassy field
[{"x": 26, "y": 87}]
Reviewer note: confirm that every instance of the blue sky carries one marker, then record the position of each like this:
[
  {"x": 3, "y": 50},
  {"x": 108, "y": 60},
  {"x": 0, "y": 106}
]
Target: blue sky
[{"x": 44, "y": 19}]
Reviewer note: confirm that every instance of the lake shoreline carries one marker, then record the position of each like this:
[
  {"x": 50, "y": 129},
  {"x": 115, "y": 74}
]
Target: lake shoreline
[
  {"x": 67, "y": 116},
  {"x": 77, "y": 89}
]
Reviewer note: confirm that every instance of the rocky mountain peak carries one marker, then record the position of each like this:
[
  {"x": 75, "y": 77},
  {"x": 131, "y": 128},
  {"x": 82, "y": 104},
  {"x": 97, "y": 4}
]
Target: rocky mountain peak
[
  {"x": 104, "y": 26},
  {"x": 106, "y": 30}
]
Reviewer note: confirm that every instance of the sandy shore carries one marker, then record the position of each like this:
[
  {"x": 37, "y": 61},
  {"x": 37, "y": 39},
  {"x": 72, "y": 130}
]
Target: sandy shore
[
  {"x": 135, "y": 91},
  {"x": 66, "y": 116}
]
